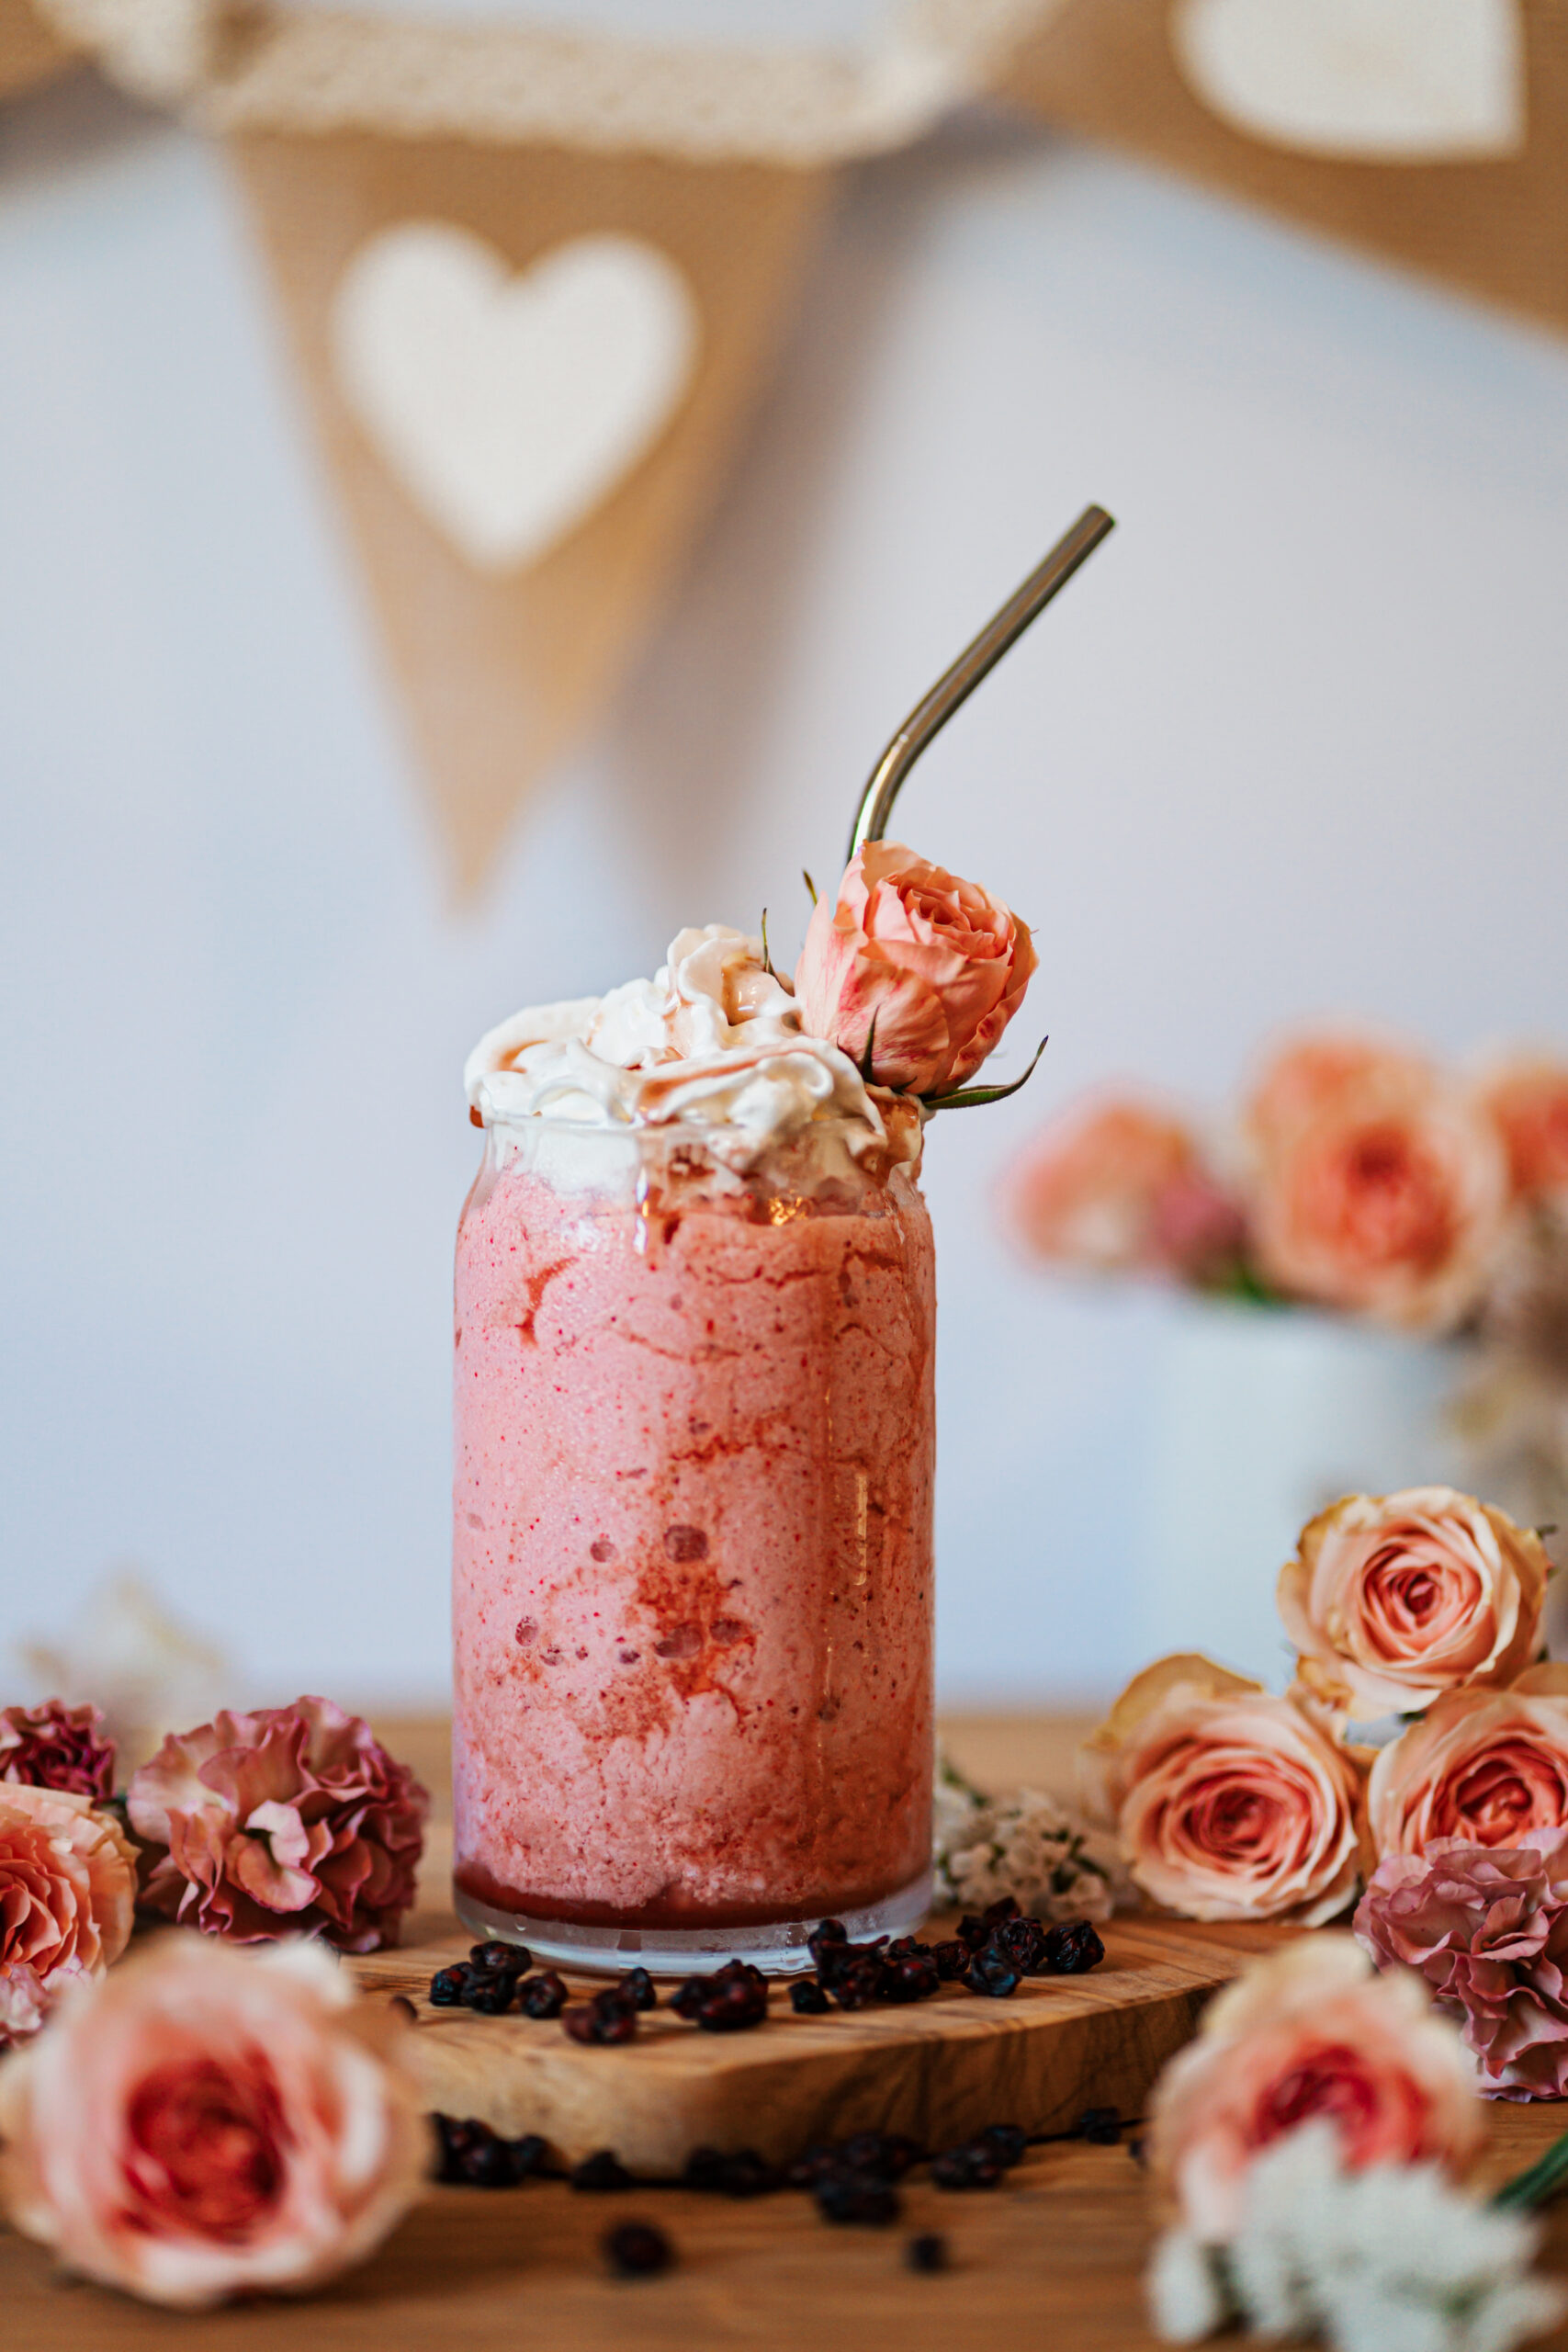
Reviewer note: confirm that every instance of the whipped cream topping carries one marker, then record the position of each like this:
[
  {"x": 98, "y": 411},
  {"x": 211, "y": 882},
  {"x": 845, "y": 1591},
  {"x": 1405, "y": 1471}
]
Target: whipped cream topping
[{"x": 712, "y": 1041}]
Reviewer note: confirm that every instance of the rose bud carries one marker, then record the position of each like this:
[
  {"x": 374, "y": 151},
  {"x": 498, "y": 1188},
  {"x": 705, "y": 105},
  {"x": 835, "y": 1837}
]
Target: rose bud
[
  {"x": 206, "y": 2123},
  {"x": 922, "y": 969}
]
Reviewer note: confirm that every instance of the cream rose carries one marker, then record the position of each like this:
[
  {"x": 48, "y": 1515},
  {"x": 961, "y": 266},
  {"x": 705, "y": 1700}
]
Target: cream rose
[
  {"x": 1487, "y": 1766},
  {"x": 1230, "y": 1803},
  {"x": 1392, "y": 1600},
  {"x": 1122, "y": 1183},
  {"x": 207, "y": 2122},
  {"x": 1388, "y": 1196},
  {"x": 1309, "y": 1074},
  {"x": 67, "y": 1897},
  {"x": 924, "y": 971},
  {"x": 1313, "y": 2033}
]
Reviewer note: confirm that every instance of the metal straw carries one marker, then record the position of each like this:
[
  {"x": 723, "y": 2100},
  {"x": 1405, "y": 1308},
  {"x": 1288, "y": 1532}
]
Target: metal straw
[{"x": 956, "y": 685}]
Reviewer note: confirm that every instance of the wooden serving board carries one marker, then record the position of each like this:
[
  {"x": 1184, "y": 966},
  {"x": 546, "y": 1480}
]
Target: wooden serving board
[{"x": 937, "y": 2070}]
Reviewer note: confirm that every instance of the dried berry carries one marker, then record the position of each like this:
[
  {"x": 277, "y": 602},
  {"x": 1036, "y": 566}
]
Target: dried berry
[
  {"x": 1008, "y": 2142},
  {"x": 926, "y": 2252},
  {"x": 906, "y": 1948},
  {"x": 810, "y": 2166},
  {"x": 604, "y": 2170},
  {"x": 974, "y": 2165},
  {"x": 490, "y": 1995},
  {"x": 992, "y": 1971},
  {"x": 486, "y": 2164},
  {"x": 848, "y": 2196},
  {"x": 502, "y": 1960},
  {"x": 885, "y": 2156},
  {"x": 1005, "y": 1908},
  {"x": 528, "y": 2154},
  {"x": 910, "y": 1979},
  {"x": 639, "y": 1984},
  {"x": 544, "y": 1995},
  {"x": 448, "y": 1985},
  {"x": 1138, "y": 2149},
  {"x": 741, "y": 2173},
  {"x": 827, "y": 1931},
  {"x": 638, "y": 2250},
  {"x": 1023, "y": 1941},
  {"x": 806, "y": 1997},
  {"x": 473, "y": 2153},
  {"x": 1073, "y": 1948},
  {"x": 734, "y": 2006},
  {"x": 1100, "y": 2125},
  {"x": 691, "y": 1996},
  {"x": 608, "y": 2019},
  {"x": 950, "y": 1958}
]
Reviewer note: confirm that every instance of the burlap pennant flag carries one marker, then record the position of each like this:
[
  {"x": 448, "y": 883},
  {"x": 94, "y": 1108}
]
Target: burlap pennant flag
[
  {"x": 528, "y": 367},
  {"x": 1433, "y": 132}
]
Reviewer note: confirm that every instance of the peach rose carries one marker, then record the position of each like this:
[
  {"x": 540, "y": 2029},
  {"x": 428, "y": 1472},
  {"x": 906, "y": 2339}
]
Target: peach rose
[
  {"x": 938, "y": 965},
  {"x": 1393, "y": 1599},
  {"x": 1309, "y": 1074},
  {"x": 207, "y": 2122},
  {"x": 1230, "y": 1803},
  {"x": 1123, "y": 1184},
  {"x": 1526, "y": 1100},
  {"x": 67, "y": 1897},
  {"x": 1311, "y": 2033},
  {"x": 1388, "y": 1198},
  {"x": 1487, "y": 1766}
]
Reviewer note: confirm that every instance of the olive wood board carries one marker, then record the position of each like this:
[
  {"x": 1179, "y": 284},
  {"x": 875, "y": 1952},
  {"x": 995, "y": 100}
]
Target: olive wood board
[{"x": 937, "y": 2070}]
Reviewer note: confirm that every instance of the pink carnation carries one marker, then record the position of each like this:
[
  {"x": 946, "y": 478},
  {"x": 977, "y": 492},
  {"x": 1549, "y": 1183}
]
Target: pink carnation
[
  {"x": 292, "y": 1820},
  {"x": 1487, "y": 1926},
  {"x": 57, "y": 1747}
]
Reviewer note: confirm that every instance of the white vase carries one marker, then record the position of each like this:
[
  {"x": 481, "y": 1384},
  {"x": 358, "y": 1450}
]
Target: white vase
[{"x": 1261, "y": 1417}]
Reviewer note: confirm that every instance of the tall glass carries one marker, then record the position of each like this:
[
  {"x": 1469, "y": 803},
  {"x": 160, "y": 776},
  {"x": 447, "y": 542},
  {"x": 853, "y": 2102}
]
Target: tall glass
[{"x": 692, "y": 1559}]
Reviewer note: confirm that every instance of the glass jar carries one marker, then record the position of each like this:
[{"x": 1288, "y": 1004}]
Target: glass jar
[{"x": 692, "y": 1558}]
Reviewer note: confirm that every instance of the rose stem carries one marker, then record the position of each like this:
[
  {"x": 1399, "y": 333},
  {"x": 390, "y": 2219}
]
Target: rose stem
[
  {"x": 1538, "y": 2181},
  {"x": 956, "y": 685}
]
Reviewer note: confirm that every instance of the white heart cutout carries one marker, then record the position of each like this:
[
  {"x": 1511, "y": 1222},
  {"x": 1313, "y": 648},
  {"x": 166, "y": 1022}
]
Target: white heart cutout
[
  {"x": 508, "y": 407},
  {"x": 1389, "y": 81}
]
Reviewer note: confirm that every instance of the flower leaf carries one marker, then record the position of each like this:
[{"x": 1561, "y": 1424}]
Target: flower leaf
[
  {"x": 809, "y": 884},
  {"x": 767, "y": 959},
  {"x": 971, "y": 1097},
  {"x": 866, "y": 1061}
]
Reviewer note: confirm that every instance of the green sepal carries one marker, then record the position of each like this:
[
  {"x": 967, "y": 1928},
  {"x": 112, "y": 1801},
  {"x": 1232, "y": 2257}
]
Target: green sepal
[{"x": 971, "y": 1097}]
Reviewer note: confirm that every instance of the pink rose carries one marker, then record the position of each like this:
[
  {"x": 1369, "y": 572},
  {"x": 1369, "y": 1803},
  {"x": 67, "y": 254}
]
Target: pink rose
[
  {"x": 293, "y": 1819},
  {"x": 67, "y": 1898},
  {"x": 204, "y": 2123},
  {"x": 1309, "y": 1074},
  {"x": 1487, "y": 1928},
  {"x": 1312, "y": 2033},
  {"x": 1393, "y": 1599},
  {"x": 1388, "y": 1198},
  {"x": 1487, "y": 1766},
  {"x": 1230, "y": 1803},
  {"x": 1121, "y": 1183},
  {"x": 57, "y": 1747},
  {"x": 936, "y": 963},
  {"x": 1526, "y": 1100}
]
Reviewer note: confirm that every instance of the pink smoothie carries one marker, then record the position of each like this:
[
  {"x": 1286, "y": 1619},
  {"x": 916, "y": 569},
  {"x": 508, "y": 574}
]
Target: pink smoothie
[{"x": 693, "y": 1554}]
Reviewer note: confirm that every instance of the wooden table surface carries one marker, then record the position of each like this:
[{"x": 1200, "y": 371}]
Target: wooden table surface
[{"x": 1055, "y": 2254}]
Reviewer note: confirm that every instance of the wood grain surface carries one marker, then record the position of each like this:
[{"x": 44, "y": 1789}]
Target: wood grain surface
[{"x": 1054, "y": 2256}]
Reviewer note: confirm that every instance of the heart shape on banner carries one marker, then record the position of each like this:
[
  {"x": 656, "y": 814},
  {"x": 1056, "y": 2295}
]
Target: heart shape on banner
[
  {"x": 1381, "y": 81},
  {"x": 509, "y": 406}
]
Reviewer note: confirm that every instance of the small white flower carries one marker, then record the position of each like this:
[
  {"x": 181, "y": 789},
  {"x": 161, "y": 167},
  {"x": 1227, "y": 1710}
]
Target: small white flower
[
  {"x": 1032, "y": 1848},
  {"x": 1187, "y": 2293}
]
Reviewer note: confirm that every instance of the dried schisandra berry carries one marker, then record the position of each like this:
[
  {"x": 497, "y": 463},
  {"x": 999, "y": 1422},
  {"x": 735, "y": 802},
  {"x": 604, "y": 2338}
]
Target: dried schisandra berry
[
  {"x": 992, "y": 1971},
  {"x": 911, "y": 1978},
  {"x": 734, "y": 1997},
  {"x": 448, "y": 1985},
  {"x": 471, "y": 2153},
  {"x": 639, "y": 1984},
  {"x": 529, "y": 2154},
  {"x": 1099, "y": 2125},
  {"x": 1008, "y": 2142},
  {"x": 602, "y": 2169},
  {"x": 609, "y": 2017},
  {"x": 806, "y": 1997},
  {"x": 1073, "y": 1948},
  {"x": 1138, "y": 2149},
  {"x": 975, "y": 1932},
  {"x": 810, "y": 2166},
  {"x": 855, "y": 1982},
  {"x": 741, "y": 2173},
  {"x": 1024, "y": 1942},
  {"x": 502, "y": 1960},
  {"x": 950, "y": 1958},
  {"x": 490, "y": 1995},
  {"x": 849, "y": 2196},
  {"x": 884, "y": 2155},
  {"x": 926, "y": 2252},
  {"x": 827, "y": 1931},
  {"x": 638, "y": 2250},
  {"x": 974, "y": 2165},
  {"x": 544, "y": 1995}
]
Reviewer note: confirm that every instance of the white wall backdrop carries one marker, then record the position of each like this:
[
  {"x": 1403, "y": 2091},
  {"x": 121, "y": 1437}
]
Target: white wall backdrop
[{"x": 1293, "y": 743}]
